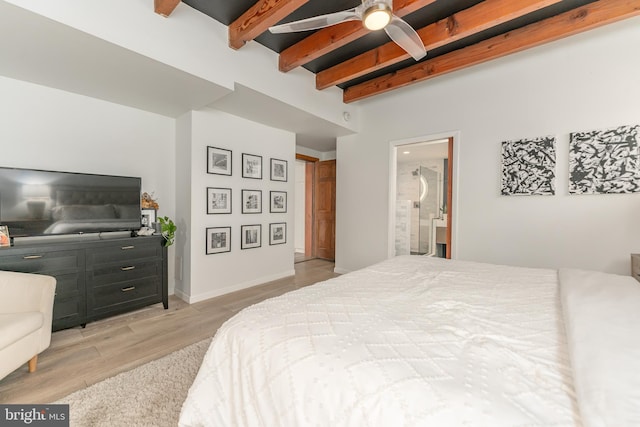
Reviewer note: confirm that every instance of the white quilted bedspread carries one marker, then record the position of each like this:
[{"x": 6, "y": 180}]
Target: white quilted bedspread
[{"x": 412, "y": 341}]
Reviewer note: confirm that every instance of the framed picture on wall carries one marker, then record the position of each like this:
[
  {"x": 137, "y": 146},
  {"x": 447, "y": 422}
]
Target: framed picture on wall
[
  {"x": 251, "y": 236},
  {"x": 251, "y": 201},
  {"x": 218, "y": 161},
  {"x": 251, "y": 166},
  {"x": 278, "y": 233},
  {"x": 279, "y": 170},
  {"x": 218, "y": 200},
  {"x": 148, "y": 217},
  {"x": 278, "y": 201},
  {"x": 218, "y": 240}
]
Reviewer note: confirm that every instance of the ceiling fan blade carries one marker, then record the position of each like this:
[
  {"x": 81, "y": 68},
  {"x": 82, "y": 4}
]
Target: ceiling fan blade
[
  {"x": 316, "y": 22},
  {"x": 406, "y": 37}
]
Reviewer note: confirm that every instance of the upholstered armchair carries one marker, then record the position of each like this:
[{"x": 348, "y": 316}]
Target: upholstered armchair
[{"x": 26, "y": 311}]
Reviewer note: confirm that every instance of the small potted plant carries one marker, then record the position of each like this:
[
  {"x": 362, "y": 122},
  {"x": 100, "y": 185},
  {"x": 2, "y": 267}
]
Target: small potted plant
[{"x": 167, "y": 229}]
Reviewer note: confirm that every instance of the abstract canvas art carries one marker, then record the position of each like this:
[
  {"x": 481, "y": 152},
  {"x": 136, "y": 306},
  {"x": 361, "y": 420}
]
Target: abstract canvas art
[
  {"x": 604, "y": 161},
  {"x": 528, "y": 166}
]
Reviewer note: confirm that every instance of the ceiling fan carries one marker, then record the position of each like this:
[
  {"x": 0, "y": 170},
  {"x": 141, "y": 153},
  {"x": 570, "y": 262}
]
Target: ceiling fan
[{"x": 375, "y": 15}]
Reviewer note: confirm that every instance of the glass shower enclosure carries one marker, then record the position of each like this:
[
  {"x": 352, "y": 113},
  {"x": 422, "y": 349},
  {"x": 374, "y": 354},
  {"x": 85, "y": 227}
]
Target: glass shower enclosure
[{"x": 429, "y": 209}]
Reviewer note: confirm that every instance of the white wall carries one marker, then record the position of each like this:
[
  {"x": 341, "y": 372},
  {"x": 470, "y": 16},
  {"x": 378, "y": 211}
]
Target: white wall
[
  {"x": 217, "y": 274},
  {"x": 321, "y": 155},
  {"x": 589, "y": 81},
  {"x": 43, "y": 128},
  {"x": 50, "y": 129}
]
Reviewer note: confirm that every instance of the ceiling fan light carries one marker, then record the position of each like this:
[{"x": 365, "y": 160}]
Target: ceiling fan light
[{"x": 376, "y": 17}]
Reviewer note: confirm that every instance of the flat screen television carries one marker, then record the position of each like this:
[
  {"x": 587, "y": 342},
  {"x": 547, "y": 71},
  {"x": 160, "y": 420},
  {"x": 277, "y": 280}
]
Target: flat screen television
[{"x": 46, "y": 203}]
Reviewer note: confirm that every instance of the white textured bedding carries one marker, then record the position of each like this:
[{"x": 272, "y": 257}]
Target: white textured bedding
[
  {"x": 412, "y": 341},
  {"x": 602, "y": 319}
]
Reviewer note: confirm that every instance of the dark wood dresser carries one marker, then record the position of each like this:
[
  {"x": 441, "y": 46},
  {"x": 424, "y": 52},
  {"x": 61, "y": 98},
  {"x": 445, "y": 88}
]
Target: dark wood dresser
[{"x": 96, "y": 278}]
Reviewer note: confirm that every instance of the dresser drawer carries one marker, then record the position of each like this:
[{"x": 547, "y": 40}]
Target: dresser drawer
[
  {"x": 116, "y": 297},
  {"x": 123, "y": 252},
  {"x": 123, "y": 272},
  {"x": 44, "y": 262}
]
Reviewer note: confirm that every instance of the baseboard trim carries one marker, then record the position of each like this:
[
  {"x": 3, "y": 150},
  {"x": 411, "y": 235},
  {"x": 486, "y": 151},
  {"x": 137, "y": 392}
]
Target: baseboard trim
[
  {"x": 184, "y": 297},
  {"x": 341, "y": 270},
  {"x": 191, "y": 299}
]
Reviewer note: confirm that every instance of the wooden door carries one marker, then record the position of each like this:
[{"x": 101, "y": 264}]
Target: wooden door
[{"x": 325, "y": 210}]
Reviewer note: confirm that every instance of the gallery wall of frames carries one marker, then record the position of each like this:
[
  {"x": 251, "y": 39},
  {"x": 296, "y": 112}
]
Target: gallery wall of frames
[{"x": 250, "y": 202}]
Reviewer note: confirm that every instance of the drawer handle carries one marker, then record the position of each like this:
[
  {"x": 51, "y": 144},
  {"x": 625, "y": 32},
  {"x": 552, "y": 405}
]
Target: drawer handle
[
  {"x": 124, "y": 248},
  {"x": 129, "y": 289},
  {"x": 33, "y": 257},
  {"x": 128, "y": 268}
]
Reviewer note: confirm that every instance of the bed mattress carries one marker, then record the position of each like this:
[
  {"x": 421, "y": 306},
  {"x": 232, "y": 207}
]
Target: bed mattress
[
  {"x": 412, "y": 341},
  {"x": 420, "y": 341}
]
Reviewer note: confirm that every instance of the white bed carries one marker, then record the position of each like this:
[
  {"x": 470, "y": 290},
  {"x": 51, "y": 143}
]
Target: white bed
[{"x": 420, "y": 341}]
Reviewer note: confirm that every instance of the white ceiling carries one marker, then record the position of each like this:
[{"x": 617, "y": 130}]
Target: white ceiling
[{"x": 39, "y": 50}]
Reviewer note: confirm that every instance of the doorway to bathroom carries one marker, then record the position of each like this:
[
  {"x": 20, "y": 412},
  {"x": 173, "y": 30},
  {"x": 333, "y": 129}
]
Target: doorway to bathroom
[{"x": 422, "y": 197}]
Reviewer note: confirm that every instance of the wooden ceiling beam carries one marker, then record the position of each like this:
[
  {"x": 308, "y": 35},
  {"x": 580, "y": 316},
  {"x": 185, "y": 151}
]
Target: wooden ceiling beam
[
  {"x": 258, "y": 19},
  {"x": 165, "y": 7},
  {"x": 575, "y": 21},
  {"x": 331, "y": 38},
  {"x": 463, "y": 24}
]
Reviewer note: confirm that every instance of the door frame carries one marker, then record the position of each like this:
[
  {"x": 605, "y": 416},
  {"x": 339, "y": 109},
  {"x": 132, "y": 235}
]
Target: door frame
[{"x": 452, "y": 190}]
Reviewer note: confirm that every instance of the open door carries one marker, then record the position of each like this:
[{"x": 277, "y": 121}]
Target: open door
[
  {"x": 421, "y": 205},
  {"x": 320, "y": 208},
  {"x": 325, "y": 210}
]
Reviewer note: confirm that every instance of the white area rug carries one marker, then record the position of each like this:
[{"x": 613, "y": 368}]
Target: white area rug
[{"x": 149, "y": 395}]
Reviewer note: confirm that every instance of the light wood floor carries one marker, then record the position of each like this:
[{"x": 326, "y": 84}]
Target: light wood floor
[
  {"x": 80, "y": 357},
  {"x": 301, "y": 257}
]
